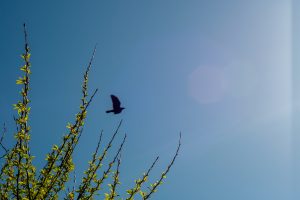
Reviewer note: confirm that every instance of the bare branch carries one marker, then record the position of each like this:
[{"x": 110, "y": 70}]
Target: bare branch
[
  {"x": 156, "y": 184},
  {"x": 1, "y": 139},
  {"x": 74, "y": 182}
]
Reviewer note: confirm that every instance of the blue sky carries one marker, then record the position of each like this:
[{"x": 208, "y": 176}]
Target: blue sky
[{"x": 218, "y": 71}]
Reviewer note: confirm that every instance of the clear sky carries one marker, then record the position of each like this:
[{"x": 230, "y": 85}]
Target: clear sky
[{"x": 218, "y": 71}]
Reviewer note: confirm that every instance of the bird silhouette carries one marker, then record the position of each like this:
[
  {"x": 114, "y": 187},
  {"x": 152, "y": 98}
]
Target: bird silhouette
[{"x": 116, "y": 105}]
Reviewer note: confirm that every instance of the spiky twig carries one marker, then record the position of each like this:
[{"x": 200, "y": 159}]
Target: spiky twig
[
  {"x": 140, "y": 182},
  {"x": 1, "y": 141},
  {"x": 163, "y": 175},
  {"x": 95, "y": 165},
  {"x": 112, "y": 195},
  {"x": 106, "y": 172}
]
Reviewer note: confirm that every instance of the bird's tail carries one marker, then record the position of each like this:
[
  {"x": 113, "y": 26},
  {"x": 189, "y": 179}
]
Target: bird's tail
[{"x": 109, "y": 111}]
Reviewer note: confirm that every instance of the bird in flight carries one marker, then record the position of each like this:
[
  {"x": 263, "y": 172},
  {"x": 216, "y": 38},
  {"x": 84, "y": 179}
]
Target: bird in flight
[{"x": 116, "y": 105}]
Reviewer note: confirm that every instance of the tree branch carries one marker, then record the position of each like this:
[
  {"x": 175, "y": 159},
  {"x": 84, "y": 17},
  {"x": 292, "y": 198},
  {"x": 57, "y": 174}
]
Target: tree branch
[{"x": 163, "y": 176}]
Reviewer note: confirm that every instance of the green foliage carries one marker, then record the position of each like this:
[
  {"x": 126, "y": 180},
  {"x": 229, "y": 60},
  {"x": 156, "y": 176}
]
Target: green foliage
[{"x": 18, "y": 176}]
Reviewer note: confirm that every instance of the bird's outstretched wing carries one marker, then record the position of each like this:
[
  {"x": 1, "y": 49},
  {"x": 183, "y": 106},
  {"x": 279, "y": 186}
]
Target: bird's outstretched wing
[{"x": 115, "y": 101}]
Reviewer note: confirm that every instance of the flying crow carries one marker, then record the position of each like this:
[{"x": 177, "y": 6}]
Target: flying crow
[{"x": 116, "y": 105}]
